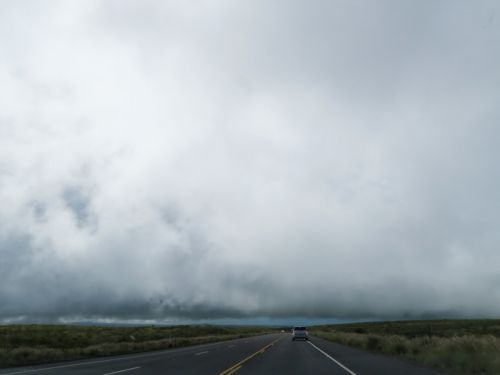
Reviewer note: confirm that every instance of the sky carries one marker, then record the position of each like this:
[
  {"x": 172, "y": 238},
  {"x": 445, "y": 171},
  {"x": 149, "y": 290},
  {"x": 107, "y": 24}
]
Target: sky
[{"x": 249, "y": 160}]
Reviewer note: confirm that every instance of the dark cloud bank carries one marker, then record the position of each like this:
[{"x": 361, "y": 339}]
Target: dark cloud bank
[{"x": 217, "y": 159}]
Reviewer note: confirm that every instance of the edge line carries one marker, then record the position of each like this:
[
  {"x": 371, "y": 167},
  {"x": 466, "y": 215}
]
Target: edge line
[
  {"x": 115, "y": 357},
  {"x": 331, "y": 358}
]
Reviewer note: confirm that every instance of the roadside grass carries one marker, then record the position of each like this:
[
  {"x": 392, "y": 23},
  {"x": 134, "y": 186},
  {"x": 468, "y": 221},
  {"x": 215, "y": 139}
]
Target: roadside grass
[
  {"x": 456, "y": 347},
  {"x": 34, "y": 344}
]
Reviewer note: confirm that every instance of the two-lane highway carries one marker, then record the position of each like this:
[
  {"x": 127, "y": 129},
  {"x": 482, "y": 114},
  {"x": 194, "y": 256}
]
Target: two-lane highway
[
  {"x": 318, "y": 356},
  {"x": 266, "y": 354},
  {"x": 211, "y": 358}
]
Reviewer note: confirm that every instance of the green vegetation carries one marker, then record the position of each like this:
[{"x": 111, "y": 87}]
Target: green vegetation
[
  {"x": 451, "y": 346},
  {"x": 30, "y": 344}
]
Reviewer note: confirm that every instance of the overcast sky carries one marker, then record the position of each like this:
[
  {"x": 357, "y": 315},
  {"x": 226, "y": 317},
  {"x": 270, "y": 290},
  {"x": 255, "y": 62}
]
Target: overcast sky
[{"x": 249, "y": 159}]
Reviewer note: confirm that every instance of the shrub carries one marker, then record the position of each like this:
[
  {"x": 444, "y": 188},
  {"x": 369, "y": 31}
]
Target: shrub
[
  {"x": 461, "y": 354},
  {"x": 373, "y": 343},
  {"x": 30, "y": 344}
]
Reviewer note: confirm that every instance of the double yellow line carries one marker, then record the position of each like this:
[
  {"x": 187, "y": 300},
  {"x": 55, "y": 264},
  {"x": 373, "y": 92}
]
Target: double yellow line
[{"x": 237, "y": 366}]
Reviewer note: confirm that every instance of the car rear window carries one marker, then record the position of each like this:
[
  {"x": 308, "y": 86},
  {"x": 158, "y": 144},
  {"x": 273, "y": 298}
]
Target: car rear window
[{"x": 300, "y": 328}]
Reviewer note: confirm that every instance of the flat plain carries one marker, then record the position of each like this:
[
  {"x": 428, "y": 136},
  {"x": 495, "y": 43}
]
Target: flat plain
[{"x": 451, "y": 346}]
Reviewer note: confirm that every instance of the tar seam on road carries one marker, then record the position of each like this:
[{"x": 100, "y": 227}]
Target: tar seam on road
[
  {"x": 333, "y": 359},
  {"x": 237, "y": 366},
  {"x": 127, "y": 369}
]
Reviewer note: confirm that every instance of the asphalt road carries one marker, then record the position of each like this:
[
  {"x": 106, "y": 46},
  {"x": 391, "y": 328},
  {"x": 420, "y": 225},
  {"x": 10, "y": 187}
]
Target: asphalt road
[{"x": 267, "y": 354}]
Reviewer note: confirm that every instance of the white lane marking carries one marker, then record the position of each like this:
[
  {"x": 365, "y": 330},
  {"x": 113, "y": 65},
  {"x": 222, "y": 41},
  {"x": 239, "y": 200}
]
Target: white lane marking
[
  {"x": 162, "y": 352},
  {"x": 200, "y": 353},
  {"x": 56, "y": 367},
  {"x": 127, "y": 369},
  {"x": 231, "y": 346},
  {"x": 333, "y": 359}
]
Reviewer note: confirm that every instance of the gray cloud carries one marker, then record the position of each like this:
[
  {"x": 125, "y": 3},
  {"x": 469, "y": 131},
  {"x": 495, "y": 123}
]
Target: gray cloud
[{"x": 254, "y": 159}]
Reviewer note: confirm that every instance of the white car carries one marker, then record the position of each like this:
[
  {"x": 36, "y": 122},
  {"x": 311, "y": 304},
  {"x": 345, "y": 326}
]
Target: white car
[{"x": 300, "y": 333}]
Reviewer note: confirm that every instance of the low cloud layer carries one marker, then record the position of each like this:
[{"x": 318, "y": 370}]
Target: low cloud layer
[{"x": 219, "y": 159}]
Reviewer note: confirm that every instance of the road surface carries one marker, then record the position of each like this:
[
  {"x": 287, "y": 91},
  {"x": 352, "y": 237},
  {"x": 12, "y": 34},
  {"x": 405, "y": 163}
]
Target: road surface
[{"x": 266, "y": 354}]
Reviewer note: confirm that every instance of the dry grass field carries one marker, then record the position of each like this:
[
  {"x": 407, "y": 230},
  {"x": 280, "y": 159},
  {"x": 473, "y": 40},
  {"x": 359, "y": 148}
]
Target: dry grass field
[
  {"x": 452, "y": 346},
  {"x": 30, "y": 344}
]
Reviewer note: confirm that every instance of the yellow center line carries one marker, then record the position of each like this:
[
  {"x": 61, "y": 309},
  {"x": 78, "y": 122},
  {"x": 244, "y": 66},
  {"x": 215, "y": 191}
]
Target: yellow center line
[
  {"x": 234, "y": 370},
  {"x": 237, "y": 366}
]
